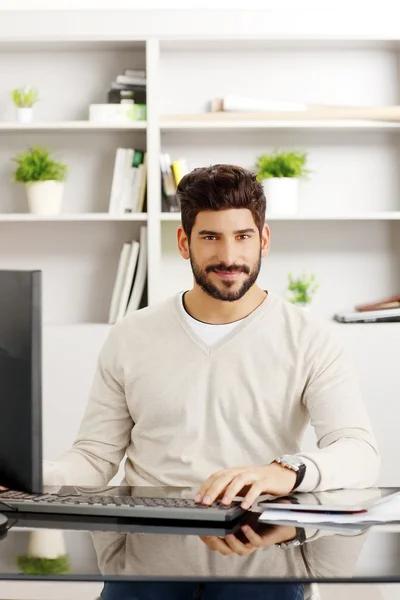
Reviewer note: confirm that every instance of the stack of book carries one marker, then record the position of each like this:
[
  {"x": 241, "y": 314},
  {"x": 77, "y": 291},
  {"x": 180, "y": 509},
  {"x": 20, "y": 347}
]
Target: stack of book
[
  {"x": 130, "y": 88},
  {"x": 130, "y": 282},
  {"x": 171, "y": 174},
  {"x": 126, "y": 99},
  {"x": 128, "y": 188},
  {"x": 386, "y": 310}
]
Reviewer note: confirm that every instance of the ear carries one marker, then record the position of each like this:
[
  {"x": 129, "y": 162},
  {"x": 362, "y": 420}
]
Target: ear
[
  {"x": 265, "y": 240},
  {"x": 183, "y": 243}
]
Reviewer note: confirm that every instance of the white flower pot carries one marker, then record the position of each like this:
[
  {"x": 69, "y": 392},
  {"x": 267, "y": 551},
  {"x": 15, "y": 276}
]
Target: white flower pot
[
  {"x": 46, "y": 543},
  {"x": 282, "y": 195},
  {"x": 24, "y": 114},
  {"x": 45, "y": 197}
]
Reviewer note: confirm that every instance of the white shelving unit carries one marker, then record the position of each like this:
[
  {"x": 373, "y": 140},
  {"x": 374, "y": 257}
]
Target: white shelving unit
[
  {"x": 72, "y": 126},
  {"x": 283, "y": 125},
  {"x": 350, "y": 204},
  {"x": 347, "y": 230},
  {"x": 71, "y": 217},
  {"x": 379, "y": 216},
  {"x": 78, "y": 250}
]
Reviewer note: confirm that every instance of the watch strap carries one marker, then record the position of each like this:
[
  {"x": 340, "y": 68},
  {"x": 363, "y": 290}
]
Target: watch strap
[{"x": 297, "y": 466}]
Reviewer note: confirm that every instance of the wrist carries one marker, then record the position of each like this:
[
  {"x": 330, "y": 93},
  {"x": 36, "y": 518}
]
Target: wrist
[
  {"x": 297, "y": 539},
  {"x": 287, "y": 477},
  {"x": 294, "y": 464}
]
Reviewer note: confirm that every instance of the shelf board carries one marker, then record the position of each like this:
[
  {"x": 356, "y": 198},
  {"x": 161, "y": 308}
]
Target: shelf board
[
  {"x": 235, "y": 125},
  {"x": 72, "y": 126},
  {"x": 65, "y": 217},
  {"x": 379, "y": 216}
]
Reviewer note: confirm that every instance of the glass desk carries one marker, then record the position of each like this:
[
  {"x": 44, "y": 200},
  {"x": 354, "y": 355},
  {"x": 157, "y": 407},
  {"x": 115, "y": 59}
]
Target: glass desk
[{"x": 110, "y": 550}]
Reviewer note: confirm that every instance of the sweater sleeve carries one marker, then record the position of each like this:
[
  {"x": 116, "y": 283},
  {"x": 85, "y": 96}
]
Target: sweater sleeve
[
  {"x": 105, "y": 430},
  {"x": 347, "y": 455}
]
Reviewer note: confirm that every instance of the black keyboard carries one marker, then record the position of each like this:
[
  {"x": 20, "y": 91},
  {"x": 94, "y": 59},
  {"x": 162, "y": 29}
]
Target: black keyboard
[{"x": 120, "y": 506}]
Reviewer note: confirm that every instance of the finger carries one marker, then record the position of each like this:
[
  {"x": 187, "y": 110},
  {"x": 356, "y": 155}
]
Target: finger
[
  {"x": 239, "y": 547},
  {"x": 207, "y": 484},
  {"x": 215, "y": 543},
  {"x": 253, "y": 537},
  {"x": 238, "y": 482},
  {"x": 3, "y": 489},
  {"x": 254, "y": 492},
  {"x": 217, "y": 488}
]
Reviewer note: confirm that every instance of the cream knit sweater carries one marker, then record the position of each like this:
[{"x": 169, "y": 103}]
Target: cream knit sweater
[{"x": 182, "y": 410}]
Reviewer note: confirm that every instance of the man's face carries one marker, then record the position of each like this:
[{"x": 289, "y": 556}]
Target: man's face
[{"x": 225, "y": 252}]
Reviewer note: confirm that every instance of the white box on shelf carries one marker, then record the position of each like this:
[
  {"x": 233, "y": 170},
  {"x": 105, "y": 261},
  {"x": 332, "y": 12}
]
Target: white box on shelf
[{"x": 117, "y": 113}]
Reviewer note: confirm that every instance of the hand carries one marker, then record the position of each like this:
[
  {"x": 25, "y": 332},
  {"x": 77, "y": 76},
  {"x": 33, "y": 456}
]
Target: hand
[
  {"x": 248, "y": 481},
  {"x": 3, "y": 489},
  {"x": 230, "y": 544}
]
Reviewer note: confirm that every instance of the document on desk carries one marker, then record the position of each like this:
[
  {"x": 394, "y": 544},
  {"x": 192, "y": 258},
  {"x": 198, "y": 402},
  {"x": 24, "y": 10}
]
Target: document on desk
[{"x": 386, "y": 512}]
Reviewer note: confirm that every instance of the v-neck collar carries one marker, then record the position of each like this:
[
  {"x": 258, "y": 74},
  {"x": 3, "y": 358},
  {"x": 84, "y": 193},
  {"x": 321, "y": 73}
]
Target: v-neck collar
[{"x": 242, "y": 324}]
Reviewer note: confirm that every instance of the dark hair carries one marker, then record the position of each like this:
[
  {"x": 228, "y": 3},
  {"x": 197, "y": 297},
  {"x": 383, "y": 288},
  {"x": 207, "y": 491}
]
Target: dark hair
[{"x": 220, "y": 187}]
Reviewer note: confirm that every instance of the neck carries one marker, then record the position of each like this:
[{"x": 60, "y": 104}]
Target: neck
[{"x": 204, "y": 308}]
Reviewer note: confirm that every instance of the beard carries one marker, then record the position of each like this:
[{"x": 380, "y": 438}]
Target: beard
[{"x": 227, "y": 291}]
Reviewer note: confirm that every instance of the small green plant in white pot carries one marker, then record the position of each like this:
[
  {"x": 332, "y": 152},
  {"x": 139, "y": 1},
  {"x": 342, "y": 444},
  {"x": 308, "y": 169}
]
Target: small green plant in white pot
[
  {"x": 301, "y": 289},
  {"x": 43, "y": 178},
  {"x": 46, "y": 554},
  {"x": 280, "y": 172},
  {"x": 24, "y": 99}
]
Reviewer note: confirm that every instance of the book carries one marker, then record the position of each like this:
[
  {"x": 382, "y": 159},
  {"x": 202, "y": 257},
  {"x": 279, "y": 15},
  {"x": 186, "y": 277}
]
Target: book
[
  {"x": 168, "y": 185},
  {"x": 233, "y": 103},
  {"x": 119, "y": 281},
  {"x": 128, "y": 279},
  {"x": 130, "y": 80},
  {"x": 125, "y": 199},
  {"x": 391, "y": 302},
  {"x": 128, "y": 187},
  {"x": 139, "y": 283},
  {"x": 143, "y": 182},
  {"x": 179, "y": 169},
  {"x": 141, "y": 73},
  {"x": 117, "y": 181},
  {"x": 313, "y": 113}
]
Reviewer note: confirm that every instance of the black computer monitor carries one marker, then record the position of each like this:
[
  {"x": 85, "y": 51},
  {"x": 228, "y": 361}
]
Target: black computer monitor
[{"x": 21, "y": 381}]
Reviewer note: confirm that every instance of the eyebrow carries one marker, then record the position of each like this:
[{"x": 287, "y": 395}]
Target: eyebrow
[{"x": 237, "y": 232}]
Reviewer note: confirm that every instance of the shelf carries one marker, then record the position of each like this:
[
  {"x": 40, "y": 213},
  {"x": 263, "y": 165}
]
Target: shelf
[
  {"x": 77, "y": 217},
  {"x": 381, "y": 216},
  {"x": 234, "y": 125},
  {"x": 72, "y": 126}
]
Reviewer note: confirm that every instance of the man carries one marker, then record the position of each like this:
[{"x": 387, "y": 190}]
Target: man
[{"x": 214, "y": 387}]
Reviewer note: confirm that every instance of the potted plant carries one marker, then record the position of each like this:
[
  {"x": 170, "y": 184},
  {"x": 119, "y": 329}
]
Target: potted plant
[
  {"x": 279, "y": 172},
  {"x": 44, "y": 180},
  {"x": 302, "y": 289},
  {"x": 46, "y": 553},
  {"x": 24, "y": 99}
]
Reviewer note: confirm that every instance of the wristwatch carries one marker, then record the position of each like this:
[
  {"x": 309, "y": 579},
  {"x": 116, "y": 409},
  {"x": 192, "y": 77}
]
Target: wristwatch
[
  {"x": 294, "y": 463},
  {"x": 298, "y": 540}
]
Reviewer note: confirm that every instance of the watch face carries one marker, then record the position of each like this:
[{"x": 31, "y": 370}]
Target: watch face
[{"x": 294, "y": 461}]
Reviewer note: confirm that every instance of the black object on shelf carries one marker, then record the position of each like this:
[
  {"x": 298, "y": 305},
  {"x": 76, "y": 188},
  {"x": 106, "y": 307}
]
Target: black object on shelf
[{"x": 120, "y": 93}]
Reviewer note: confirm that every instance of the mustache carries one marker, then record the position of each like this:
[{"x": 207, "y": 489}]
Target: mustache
[{"x": 231, "y": 269}]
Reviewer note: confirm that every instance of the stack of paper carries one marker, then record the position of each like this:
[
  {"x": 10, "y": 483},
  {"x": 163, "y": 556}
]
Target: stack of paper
[{"x": 385, "y": 512}]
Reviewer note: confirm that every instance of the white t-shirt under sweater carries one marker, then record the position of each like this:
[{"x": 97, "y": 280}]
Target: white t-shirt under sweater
[
  {"x": 182, "y": 409},
  {"x": 209, "y": 333}
]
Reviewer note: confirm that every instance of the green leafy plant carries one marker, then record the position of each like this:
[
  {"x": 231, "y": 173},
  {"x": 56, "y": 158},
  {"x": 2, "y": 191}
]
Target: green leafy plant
[
  {"x": 34, "y": 565},
  {"x": 25, "y": 97},
  {"x": 37, "y": 165},
  {"x": 301, "y": 289},
  {"x": 281, "y": 164}
]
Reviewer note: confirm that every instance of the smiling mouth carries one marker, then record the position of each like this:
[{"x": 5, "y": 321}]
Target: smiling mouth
[{"x": 230, "y": 275}]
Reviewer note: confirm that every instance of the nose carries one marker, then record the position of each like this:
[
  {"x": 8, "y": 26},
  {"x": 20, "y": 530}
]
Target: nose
[{"x": 226, "y": 252}]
